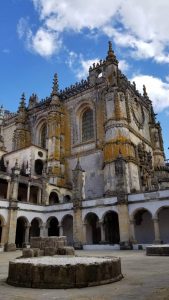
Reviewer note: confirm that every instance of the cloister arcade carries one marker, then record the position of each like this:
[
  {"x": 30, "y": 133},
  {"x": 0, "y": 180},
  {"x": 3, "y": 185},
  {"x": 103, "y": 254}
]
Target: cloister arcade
[
  {"x": 104, "y": 231},
  {"x": 31, "y": 193},
  {"x": 146, "y": 227}
]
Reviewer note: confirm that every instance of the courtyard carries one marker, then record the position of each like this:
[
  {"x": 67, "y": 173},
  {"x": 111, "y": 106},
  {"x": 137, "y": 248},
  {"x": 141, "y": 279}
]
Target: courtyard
[{"x": 144, "y": 278}]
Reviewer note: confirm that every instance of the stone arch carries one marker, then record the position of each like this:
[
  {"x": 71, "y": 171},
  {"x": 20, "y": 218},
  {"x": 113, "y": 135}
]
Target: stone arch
[
  {"x": 22, "y": 223},
  {"x": 143, "y": 226},
  {"x": 53, "y": 226},
  {"x": 53, "y": 197},
  {"x": 93, "y": 232},
  {"x": 67, "y": 225},
  {"x": 137, "y": 210},
  {"x": 67, "y": 199},
  {"x": 163, "y": 220},
  {"x": 41, "y": 133},
  {"x": 111, "y": 227},
  {"x": 35, "y": 227}
]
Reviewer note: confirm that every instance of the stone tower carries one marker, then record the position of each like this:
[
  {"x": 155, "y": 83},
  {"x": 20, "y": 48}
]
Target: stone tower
[
  {"x": 22, "y": 135},
  {"x": 56, "y": 138}
]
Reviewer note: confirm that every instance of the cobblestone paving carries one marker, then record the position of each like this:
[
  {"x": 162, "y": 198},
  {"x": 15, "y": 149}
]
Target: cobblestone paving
[{"x": 144, "y": 278}]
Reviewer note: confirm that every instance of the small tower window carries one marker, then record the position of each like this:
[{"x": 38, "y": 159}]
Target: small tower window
[
  {"x": 87, "y": 125},
  {"x": 43, "y": 136}
]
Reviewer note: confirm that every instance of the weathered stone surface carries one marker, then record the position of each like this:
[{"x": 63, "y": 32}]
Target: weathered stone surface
[
  {"x": 49, "y": 251},
  {"x": 70, "y": 250},
  {"x": 28, "y": 253},
  {"x": 10, "y": 247},
  {"x": 35, "y": 242},
  {"x": 36, "y": 252},
  {"x": 64, "y": 275},
  {"x": 159, "y": 250}
]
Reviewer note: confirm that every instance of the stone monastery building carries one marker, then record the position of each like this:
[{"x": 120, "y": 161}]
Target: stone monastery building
[{"x": 86, "y": 162}]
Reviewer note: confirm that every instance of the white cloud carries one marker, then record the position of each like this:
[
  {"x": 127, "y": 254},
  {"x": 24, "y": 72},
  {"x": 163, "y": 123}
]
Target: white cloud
[
  {"x": 82, "y": 71},
  {"x": 144, "y": 24},
  {"x": 140, "y": 25},
  {"x": 123, "y": 65},
  {"x": 157, "y": 90},
  {"x": 79, "y": 65},
  {"x": 44, "y": 42}
]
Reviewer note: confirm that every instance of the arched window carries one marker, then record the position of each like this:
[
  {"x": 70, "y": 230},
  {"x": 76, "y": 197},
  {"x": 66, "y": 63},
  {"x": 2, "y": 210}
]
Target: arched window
[
  {"x": 43, "y": 136},
  {"x": 87, "y": 125}
]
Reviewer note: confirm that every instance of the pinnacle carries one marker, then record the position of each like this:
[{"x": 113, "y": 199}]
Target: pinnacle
[
  {"x": 55, "y": 88},
  {"x": 145, "y": 92},
  {"x": 110, "y": 54},
  {"x": 22, "y": 102}
]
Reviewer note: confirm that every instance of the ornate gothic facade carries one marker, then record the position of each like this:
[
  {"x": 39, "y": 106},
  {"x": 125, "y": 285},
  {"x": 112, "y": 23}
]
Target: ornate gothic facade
[{"x": 87, "y": 162}]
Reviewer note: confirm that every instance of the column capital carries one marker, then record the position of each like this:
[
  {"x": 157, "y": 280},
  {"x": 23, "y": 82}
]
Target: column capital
[
  {"x": 27, "y": 225},
  {"x": 101, "y": 222},
  {"x": 131, "y": 221},
  {"x": 60, "y": 224},
  {"x": 155, "y": 219}
]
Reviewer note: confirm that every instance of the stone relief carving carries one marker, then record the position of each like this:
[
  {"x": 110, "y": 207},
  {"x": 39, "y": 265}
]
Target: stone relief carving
[{"x": 146, "y": 167}]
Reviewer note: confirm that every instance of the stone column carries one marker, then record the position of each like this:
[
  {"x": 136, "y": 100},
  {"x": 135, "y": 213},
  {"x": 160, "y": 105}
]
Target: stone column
[
  {"x": 13, "y": 208},
  {"x": 78, "y": 232},
  {"x": 39, "y": 196},
  {"x": 156, "y": 231},
  {"x": 132, "y": 232},
  {"x": 44, "y": 230},
  {"x": 14, "y": 190},
  {"x": 60, "y": 229},
  {"x": 28, "y": 192},
  {"x": 12, "y": 223},
  {"x": 4, "y": 236},
  {"x": 27, "y": 229},
  {"x": 8, "y": 189},
  {"x": 102, "y": 229},
  {"x": 124, "y": 227},
  {"x": 84, "y": 233}
]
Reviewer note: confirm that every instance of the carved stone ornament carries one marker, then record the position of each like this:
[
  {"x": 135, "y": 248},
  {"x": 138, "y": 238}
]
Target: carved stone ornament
[
  {"x": 138, "y": 112},
  {"x": 146, "y": 167}
]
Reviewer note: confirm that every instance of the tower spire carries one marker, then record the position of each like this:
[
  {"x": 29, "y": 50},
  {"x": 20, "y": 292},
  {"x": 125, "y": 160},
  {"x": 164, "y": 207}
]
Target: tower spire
[
  {"x": 111, "y": 57},
  {"x": 22, "y": 104},
  {"x": 55, "y": 88}
]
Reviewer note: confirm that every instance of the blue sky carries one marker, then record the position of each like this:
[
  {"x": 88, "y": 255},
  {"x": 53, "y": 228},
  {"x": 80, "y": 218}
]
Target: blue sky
[{"x": 41, "y": 37}]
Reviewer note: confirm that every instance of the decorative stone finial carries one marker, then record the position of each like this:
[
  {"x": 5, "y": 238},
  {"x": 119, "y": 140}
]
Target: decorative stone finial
[
  {"x": 1, "y": 114},
  {"x": 55, "y": 88},
  {"x": 78, "y": 165},
  {"x": 22, "y": 105},
  {"x": 110, "y": 54},
  {"x": 145, "y": 91}
]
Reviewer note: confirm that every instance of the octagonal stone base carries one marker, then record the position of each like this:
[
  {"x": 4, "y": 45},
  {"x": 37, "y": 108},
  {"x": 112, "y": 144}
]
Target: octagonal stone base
[
  {"x": 157, "y": 250},
  {"x": 63, "y": 272}
]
